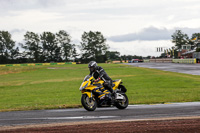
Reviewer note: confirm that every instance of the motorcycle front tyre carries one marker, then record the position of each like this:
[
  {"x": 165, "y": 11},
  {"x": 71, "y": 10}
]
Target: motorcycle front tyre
[{"x": 89, "y": 105}]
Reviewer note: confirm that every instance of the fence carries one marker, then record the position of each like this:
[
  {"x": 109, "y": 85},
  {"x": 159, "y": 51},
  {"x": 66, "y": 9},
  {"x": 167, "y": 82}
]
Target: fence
[{"x": 38, "y": 64}]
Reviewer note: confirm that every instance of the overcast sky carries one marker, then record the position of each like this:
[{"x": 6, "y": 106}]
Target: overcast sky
[{"x": 134, "y": 27}]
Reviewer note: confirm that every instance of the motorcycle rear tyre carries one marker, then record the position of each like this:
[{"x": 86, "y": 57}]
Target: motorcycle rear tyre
[
  {"x": 85, "y": 105},
  {"x": 119, "y": 106}
]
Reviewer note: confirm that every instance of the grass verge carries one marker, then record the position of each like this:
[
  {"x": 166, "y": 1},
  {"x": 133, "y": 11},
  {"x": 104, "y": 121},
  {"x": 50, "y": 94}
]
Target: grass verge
[{"x": 49, "y": 87}]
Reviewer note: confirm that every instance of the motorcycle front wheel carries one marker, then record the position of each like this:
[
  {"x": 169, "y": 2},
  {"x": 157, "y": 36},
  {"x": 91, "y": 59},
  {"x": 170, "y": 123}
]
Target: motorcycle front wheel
[{"x": 89, "y": 104}]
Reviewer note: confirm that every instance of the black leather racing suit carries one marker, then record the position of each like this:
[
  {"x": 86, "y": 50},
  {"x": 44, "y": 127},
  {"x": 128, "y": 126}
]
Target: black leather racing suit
[{"x": 100, "y": 73}]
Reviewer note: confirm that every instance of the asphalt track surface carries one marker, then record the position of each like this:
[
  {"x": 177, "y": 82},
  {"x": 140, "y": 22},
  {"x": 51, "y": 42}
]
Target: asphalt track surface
[
  {"x": 193, "y": 69},
  {"x": 132, "y": 113}
]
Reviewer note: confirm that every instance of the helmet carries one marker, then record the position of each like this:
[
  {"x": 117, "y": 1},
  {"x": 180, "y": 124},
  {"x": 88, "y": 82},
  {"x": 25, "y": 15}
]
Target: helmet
[{"x": 92, "y": 66}]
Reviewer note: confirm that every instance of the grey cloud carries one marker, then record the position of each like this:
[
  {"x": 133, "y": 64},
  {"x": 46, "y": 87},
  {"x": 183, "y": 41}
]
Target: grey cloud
[
  {"x": 152, "y": 34},
  {"x": 19, "y": 5},
  {"x": 189, "y": 31},
  {"x": 147, "y": 34},
  {"x": 13, "y": 31}
]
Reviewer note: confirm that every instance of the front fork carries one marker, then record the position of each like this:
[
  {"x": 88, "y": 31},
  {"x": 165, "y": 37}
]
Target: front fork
[{"x": 91, "y": 96}]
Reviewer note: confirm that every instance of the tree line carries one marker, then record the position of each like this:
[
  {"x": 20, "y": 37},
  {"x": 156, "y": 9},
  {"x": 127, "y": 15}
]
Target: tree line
[
  {"x": 54, "y": 47},
  {"x": 46, "y": 47},
  {"x": 58, "y": 47}
]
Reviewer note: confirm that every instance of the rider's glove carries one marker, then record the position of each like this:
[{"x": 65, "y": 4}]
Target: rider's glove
[{"x": 97, "y": 80}]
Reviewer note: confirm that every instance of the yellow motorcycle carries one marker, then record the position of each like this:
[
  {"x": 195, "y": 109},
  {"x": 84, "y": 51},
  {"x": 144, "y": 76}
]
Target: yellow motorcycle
[{"x": 90, "y": 101}]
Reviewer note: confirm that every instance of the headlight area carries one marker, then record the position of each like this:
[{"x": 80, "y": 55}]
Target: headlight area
[{"x": 82, "y": 88}]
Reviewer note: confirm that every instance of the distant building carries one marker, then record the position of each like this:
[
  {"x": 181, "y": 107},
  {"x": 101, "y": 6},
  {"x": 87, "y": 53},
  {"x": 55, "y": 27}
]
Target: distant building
[{"x": 189, "y": 51}]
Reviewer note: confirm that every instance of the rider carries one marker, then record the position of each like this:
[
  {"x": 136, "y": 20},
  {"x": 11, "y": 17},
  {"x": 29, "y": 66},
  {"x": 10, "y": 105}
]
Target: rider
[{"x": 99, "y": 74}]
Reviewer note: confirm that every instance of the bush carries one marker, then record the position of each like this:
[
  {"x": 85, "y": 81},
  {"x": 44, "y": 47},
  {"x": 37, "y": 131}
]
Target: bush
[{"x": 198, "y": 50}]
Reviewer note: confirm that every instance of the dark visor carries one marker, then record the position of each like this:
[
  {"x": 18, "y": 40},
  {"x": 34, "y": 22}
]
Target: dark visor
[{"x": 91, "y": 69}]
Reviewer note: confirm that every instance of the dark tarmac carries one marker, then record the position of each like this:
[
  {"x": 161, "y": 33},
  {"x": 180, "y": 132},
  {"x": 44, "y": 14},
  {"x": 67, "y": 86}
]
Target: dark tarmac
[
  {"x": 193, "y": 69},
  {"x": 133, "y": 112}
]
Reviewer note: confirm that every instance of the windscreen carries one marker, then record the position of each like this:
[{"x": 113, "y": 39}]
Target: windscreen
[{"x": 86, "y": 77}]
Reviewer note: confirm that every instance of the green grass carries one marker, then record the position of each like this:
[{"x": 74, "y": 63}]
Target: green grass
[{"x": 47, "y": 87}]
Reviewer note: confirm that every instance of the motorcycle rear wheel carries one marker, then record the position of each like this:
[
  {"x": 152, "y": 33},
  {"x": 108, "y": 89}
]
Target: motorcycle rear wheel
[
  {"x": 88, "y": 104},
  {"x": 122, "y": 104}
]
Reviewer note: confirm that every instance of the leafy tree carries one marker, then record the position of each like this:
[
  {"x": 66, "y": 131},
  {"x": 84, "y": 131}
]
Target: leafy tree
[
  {"x": 74, "y": 53},
  {"x": 32, "y": 46},
  {"x": 57, "y": 56},
  {"x": 123, "y": 57},
  {"x": 163, "y": 55},
  {"x": 195, "y": 35},
  {"x": 130, "y": 57},
  {"x": 14, "y": 54},
  {"x": 113, "y": 55},
  {"x": 179, "y": 38},
  {"x": 148, "y": 57},
  {"x": 7, "y": 50},
  {"x": 93, "y": 46},
  {"x": 198, "y": 50},
  {"x": 67, "y": 48},
  {"x": 51, "y": 50}
]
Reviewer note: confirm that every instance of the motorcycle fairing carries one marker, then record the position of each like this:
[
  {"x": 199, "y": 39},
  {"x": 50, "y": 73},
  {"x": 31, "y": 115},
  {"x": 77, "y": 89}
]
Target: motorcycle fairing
[{"x": 117, "y": 83}]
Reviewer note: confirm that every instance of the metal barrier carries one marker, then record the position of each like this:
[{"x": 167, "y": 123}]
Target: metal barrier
[
  {"x": 161, "y": 60},
  {"x": 187, "y": 61}
]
